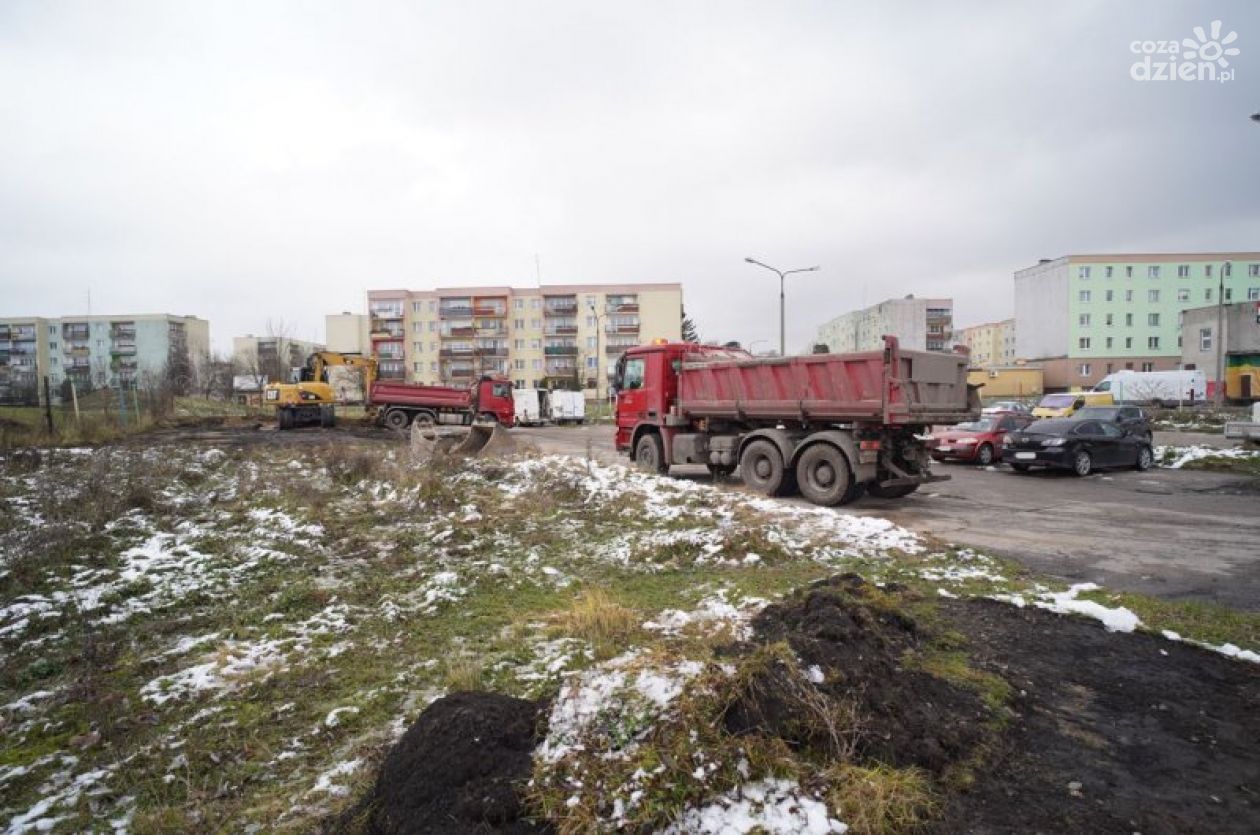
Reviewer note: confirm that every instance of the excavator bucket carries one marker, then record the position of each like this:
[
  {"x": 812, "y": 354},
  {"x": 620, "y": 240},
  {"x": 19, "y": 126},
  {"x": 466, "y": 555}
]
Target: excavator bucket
[{"x": 481, "y": 440}]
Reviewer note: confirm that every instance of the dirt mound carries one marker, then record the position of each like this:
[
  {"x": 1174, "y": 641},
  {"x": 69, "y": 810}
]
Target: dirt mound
[
  {"x": 900, "y": 716},
  {"x": 458, "y": 769},
  {"x": 1111, "y": 732}
]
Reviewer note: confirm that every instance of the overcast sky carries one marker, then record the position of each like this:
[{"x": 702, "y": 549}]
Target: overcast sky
[{"x": 259, "y": 161}]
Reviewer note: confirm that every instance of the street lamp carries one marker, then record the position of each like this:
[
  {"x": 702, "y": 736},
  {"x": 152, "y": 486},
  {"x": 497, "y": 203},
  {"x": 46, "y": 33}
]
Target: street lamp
[
  {"x": 782, "y": 275},
  {"x": 1220, "y": 337},
  {"x": 599, "y": 358}
]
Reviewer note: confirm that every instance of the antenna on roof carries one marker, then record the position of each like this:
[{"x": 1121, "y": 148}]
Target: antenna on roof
[{"x": 538, "y": 270}]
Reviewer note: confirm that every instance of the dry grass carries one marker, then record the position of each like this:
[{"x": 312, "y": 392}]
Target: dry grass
[
  {"x": 464, "y": 673},
  {"x": 879, "y": 799},
  {"x": 598, "y": 619}
]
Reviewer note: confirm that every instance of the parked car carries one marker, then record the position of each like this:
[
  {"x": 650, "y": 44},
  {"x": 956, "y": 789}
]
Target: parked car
[
  {"x": 1131, "y": 418},
  {"x": 1080, "y": 445},
  {"x": 977, "y": 440},
  {"x": 1007, "y": 406},
  {"x": 1069, "y": 403}
]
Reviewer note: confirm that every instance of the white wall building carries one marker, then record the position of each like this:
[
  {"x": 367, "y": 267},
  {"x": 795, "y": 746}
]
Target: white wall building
[{"x": 919, "y": 324}]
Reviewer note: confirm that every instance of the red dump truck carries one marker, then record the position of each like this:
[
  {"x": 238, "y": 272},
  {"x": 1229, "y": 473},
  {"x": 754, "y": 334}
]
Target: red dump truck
[
  {"x": 396, "y": 405},
  {"x": 830, "y": 425}
]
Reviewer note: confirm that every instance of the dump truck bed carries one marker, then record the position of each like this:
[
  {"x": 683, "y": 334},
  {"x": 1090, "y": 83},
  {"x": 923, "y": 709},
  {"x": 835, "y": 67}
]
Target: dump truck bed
[
  {"x": 429, "y": 397},
  {"x": 889, "y": 387}
]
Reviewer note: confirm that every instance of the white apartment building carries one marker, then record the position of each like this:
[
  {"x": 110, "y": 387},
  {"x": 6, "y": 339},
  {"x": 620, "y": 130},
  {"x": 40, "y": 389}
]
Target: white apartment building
[{"x": 919, "y": 324}]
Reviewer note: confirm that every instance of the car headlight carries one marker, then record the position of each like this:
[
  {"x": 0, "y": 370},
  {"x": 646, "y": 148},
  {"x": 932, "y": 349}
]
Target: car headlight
[
  {"x": 1007, "y": 439},
  {"x": 1053, "y": 442},
  {"x": 965, "y": 441}
]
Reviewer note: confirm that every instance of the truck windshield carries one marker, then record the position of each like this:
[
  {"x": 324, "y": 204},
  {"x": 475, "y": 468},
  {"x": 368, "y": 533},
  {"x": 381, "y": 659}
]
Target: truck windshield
[{"x": 632, "y": 376}]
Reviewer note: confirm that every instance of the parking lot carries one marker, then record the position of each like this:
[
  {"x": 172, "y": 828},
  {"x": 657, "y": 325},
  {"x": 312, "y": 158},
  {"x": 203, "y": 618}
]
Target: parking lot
[{"x": 1177, "y": 534}]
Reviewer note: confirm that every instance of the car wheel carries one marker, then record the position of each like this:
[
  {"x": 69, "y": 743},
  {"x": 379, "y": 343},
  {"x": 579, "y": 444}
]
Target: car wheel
[
  {"x": 1082, "y": 463},
  {"x": 649, "y": 453},
  {"x": 761, "y": 467},
  {"x": 984, "y": 455},
  {"x": 1145, "y": 458},
  {"x": 1020, "y": 468},
  {"x": 823, "y": 475}
]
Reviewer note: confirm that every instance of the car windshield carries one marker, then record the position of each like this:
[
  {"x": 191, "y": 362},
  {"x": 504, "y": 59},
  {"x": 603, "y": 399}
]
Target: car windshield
[
  {"x": 1098, "y": 413},
  {"x": 982, "y": 425},
  {"x": 1051, "y": 427},
  {"x": 1057, "y": 401}
]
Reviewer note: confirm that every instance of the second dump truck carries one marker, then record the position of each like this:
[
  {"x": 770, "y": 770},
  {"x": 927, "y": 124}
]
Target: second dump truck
[
  {"x": 397, "y": 405},
  {"x": 829, "y": 425}
]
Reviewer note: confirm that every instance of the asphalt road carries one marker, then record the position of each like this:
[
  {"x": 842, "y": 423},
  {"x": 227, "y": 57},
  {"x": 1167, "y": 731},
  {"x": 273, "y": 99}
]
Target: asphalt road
[{"x": 1176, "y": 534}]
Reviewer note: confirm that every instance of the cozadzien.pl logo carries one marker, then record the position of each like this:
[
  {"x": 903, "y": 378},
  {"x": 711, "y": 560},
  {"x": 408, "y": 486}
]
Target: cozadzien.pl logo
[{"x": 1204, "y": 57}]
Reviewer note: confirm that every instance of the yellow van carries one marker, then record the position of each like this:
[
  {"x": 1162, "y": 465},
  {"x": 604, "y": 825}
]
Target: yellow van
[{"x": 1062, "y": 405}]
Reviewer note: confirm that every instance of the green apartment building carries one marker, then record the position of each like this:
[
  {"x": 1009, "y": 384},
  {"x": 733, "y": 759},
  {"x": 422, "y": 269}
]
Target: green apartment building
[{"x": 1083, "y": 317}]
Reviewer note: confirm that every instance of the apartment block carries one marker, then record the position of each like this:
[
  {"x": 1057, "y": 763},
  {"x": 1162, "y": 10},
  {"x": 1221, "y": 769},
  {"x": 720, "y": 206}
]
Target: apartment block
[
  {"x": 992, "y": 344},
  {"x": 919, "y": 324},
  {"x": 1239, "y": 325},
  {"x": 551, "y": 336},
  {"x": 347, "y": 333},
  {"x": 97, "y": 351},
  {"x": 1083, "y": 317},
  {"x": 273, "y": 357}
]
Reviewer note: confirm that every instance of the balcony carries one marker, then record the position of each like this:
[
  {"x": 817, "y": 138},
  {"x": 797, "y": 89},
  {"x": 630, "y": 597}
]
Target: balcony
[
  {"x": 621, "y": 307},
  {"x": 450, "y": 353},
  {"x": 77, "y": 350},
  {"x": 557, "y": 307},
  {"x": 621, "y": 329},
  {"x": 490, "y": 309},
  {"x": 561, "y": 330},
  {"x": 491, "y": 352},
  {"x": 69, "y": 332},
  {"x": 123, "y": 348},
  {"x": 459, "y": 333},
  {"x": 458, "y": 373},
  {"x": 561, "y": 350},
  {"x": 617, "y": 350},
  {"x": 455, "y": 311},
  {"x": 495, "y": 330}
]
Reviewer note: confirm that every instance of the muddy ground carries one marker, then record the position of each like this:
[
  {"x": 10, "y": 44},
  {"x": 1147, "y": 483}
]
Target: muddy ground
[{"x": 1102, "y": 732}]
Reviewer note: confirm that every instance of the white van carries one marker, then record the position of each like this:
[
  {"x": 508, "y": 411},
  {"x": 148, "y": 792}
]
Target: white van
[
  {"x": 528, "y": 405},
  {"x": 1155, "y": 388},
  {"x": 566, "y": 406}
]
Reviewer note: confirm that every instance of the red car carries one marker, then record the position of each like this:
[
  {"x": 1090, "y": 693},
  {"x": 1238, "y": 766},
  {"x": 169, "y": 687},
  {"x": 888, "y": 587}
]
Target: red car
[{"x": 978, "y": 440}]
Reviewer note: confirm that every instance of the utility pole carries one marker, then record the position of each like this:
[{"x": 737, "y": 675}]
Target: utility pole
[{"x": 1220, "y": 337}]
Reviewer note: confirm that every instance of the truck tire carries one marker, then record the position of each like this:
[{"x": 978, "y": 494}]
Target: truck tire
[
  {"x": 327, "y": 417},
  {"x": 284, "y": 419},
  {"x": 425, "y": 418},
  {"x": 761, "y": 467},
  {"x": 397, "y": 419},
  {"x": 896, "y": 492},
  {"x": 649, "y": 453},
  {"x": 823, "y": 475}
]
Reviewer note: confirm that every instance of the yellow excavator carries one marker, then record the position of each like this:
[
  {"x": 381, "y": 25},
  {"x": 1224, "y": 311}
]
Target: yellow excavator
[{"x": 328, "y": 378}]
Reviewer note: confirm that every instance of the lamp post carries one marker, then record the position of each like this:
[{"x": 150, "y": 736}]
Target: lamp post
[
  {"x": 599, "y": 358},
  {"x": 782, "y": 275},
  {"x": 1220, "y": 336}
]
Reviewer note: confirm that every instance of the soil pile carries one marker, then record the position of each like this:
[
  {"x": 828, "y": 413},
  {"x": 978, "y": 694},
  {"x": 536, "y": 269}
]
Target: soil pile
[
  {"x": 1112, "y": 732},
  {"x": 851, "y": 632},
  {"x": 459, "y": 769}
]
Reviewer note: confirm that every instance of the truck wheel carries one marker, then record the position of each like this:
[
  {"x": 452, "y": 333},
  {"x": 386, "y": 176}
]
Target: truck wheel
[
  {"x": 425, "y": 419},
  {"x": 823, "y": 475},
  {"x": 327, "y": 417},
  {"x": 284, "y": 419},
  {"x": 896, "y": 492},
  {"x": 397, "y": 419},
  {"x": 761, "y": 467},
  {"x": 649, "y": 453}
]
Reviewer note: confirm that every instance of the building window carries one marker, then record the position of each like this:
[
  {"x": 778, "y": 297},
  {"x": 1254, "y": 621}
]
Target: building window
[
  {"x": 416, "y": 307},
  {"x": 1082, "y": 272},
  {"x": 519, "y": 304},
  {"x": 519, "y": 324},
  {"x": 1183, "y": 294},
  {"x": 1253, "y": 270},
  {"x": 1152, "y": 271},
  {"x": 1109, "y": 342},
  {"x": 518, "y": 344},
  {"x": 1148, "y": 366},
  {"x": 535, "y": 323},
  {"x": 1084, "y": 369},
  {"x": 1228, "y": 269},
  {"x": 1083, "y": 319},
  {"x": 1253, "y": 294},
  {"x": 590, "y": 321},
  {"x": 1110, "y": 295},
  {"x": 1128, "y": 272},
  {"x": 433, "y": 346},
  {"x": 1152, "y": 295},
  {"x": 1128, "y": 320},
  {"x": 520, "y": 365},
  {"x": 1084, "y": 296},
  {"x": 1128, "y": 343},
  {"x": 418, "y": 347},
  {"x": 1109, "y": 271},
  {"x": 535, "y": 303},
  {"x": 433, "y": 367},
  {"x": 1205, "y": 339},
  {"x": 537, "y": 365},
  {"x": 1128, "y": 295},
  {"x": 1083, "y": 343},
  {"x": 590, "y": 342},
  {"x": 1183, "y": 271},
  {"x": 1207, "y": 294},
  {"x": 535, "y": 344},
  {"x": 1152, "y": 319},
  {"x": 417, "y": 367},
  {"x": 1152, "y": 342},
  {"x": 1207, "y": 270},
  {"x": 590, "y": 362},
  {"x": 433, "y": 326},
  {"x": 1108, "y": 320},
  {"x": 1229, "y": 294}
]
